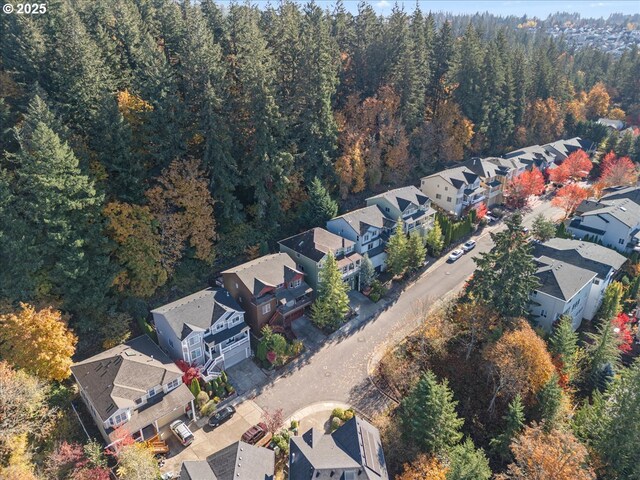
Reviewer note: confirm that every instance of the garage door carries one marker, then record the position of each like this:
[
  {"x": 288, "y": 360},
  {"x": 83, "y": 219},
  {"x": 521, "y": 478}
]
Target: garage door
[
  {"x": 236, "y": 356},
  {"x": 170, "y": 417}
]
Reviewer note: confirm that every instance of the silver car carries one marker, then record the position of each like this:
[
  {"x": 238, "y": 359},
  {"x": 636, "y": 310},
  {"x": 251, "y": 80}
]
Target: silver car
[{"x": 455, "y": 255}]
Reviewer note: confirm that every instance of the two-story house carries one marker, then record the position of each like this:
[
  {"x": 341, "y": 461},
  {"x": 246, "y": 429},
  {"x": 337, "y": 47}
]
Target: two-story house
[
  {"x": 310, "y": 249},
  {"x": 352, "y": 452},
  {"x": 368, "y": 228},
  {"x": 206, "y": 328},
  {"x": 454, "y": 190},
  {"x": 238, "y": 461},
  {"x": 270, "y": 289},
  {"x": 561, "y": 149},
  {"x": 407, "y": 203},
  {"x": 573, "y": 276},
  {"x": 614, "y": 220},
  {"x": 134, "y": 385}
]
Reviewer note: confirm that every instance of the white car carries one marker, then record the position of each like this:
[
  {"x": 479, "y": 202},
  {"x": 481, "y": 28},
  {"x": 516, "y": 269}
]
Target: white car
[
  {"x": 455, "y": 255},
  {"x": 182, "y": 432},
  {"x": 470, "y": 245}
]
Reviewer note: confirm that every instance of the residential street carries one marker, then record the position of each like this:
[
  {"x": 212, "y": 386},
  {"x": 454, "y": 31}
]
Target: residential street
[{"x": 339, "y": 371}]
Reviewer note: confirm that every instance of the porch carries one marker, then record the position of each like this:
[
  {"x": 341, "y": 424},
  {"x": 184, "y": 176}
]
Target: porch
[{"x": 221, "y": 346}]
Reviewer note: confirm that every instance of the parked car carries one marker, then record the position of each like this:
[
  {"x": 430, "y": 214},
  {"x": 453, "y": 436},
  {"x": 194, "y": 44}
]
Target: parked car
[
  {"x": 470, "y": 245},
  {"x": 254, "y": 434},
  {"x": 182, "y": 432},
  {"x": 490, "y": 219},
  {"x": 221, "y": 416},
  {"x": 525, "y": 230},
  {"x": 455, "y": 255}
]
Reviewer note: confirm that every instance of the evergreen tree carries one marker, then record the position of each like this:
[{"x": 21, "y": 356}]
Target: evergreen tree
[
  {"x": 441, "y": 70},
  {"x": 367, "y": 272},
  {"x": 368, "y": 52},
  {"x": 416, "y": 251},
  {"x": 514, "y": 421},
  {"x": 611, "y": 304},
  {"x": 319, "y": 207},
  {"x": 563, "y": 344},
  {"x": 505, "y": 276},
  {"x": 435, "y": 239},
  {"x": 53, "y": 236},
  {"x": 469, "y": 75},
  {"x": 543, "y": 229},
  {"x": 468, "y": 463},
  {"x": 397, "y": 250},
  {"x": 332, "y": 301},
  {"x": 550, "y": 399},
  {"x": 602, "y": 353},
  {"x": 611, "y": 425},
  {"x": 428, "y": 416}
]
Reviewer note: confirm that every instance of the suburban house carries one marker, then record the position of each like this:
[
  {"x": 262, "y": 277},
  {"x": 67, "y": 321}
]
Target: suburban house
[
  {"x": 534, "y": 156},
  {"x": 206, "y": 328},
  {"x": 493, "y": 173},
  {"x": 238, "y": 461},
  {"x": 611, "y": 123},
  {"x": 407, "y": 203},
  {"x": 352, "y": 452},
  {"x": 134, "y": 385},
  {"x": 454, "y": 190},
  {"x": 573, "y": 276},
  {"x": 368, "y": 228},
  {"x": 310, "y": 249},
  {"x": 614, "y": 220},
  {"x": 561, "y": 149},
  {"x": 270, "y": 289}
]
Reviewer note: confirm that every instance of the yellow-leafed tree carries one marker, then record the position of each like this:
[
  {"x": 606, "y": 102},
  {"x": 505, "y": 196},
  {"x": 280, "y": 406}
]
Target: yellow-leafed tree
[
  {"x": 423, "y": 468},
  {"x": 598, "y": 99},
  {"x": 37, "y": 341}
]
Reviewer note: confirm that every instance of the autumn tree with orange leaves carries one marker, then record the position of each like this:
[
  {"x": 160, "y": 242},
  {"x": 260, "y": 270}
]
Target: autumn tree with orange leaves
[
  {"x": 575, "y": 167},
  {"x": 423, "y": 468},
  {"x": 556, "y": 455},
  {"x": 518, "y": 189},
  {"x": 615, "y": 171},
  {"x": 570, "y": 197},
  {"x": 183, "y": 206},
  {"x": 520, "y": 364},
  {"x": 37, "y": 341},
  {"x": 597, "y": 102}
]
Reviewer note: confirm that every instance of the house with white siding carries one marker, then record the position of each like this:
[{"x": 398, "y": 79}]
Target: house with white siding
[
  {"x": 454, "y": 190},
  {"x": 409, "y": 204}
]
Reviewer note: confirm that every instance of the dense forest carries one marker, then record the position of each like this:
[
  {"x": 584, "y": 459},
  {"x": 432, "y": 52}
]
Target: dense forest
[{"x": 149, "y": 143}]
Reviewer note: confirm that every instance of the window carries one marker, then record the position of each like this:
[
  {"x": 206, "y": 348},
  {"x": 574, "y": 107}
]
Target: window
[
  {"x": 596, "y": 281},
  {"x": 194, "y": 340},
  {"x": 296, "y": 283},
  {"x": 446, "y": 189},
  {"x": 438, "y": 196},
  {"x": 219, "y": 326},
  {"x": 118, "y": 419},
  {"x": 448, "y": 199},
  {"x": 543, "y": 313},
  {"x": 151, "y": 392},
  {"x": 139, "y": 401},
  {"x": 370, "y": 246},
  {"x": 366, "y": 238},
  {"x": 621, "y": 241},
  {"x": 197, "y": 353},
  {"x": 266, "y": 308},
  {"x": 173, "y": 384}
]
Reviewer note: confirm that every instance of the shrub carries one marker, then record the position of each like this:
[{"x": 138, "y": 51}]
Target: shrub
[
  {"x": 195, "y": 387},
  {"x": 335, "y": 423},
  {"x": 338, "y": 412},
  {"x": 202, "y": 399},
  {"x": 209, "y": 407},
  {"x": 229, "y": 389},
  {"x": 216, "y": 399},
  {"x": 223, "y": 377},
  {"x": 294, "y": 424},
  {"x": 296, "y": 348},
  {"x": 348, "y": 414}
]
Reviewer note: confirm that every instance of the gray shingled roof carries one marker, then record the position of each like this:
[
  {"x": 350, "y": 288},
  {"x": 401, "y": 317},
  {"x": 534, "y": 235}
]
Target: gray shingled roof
[
  {"x": 402, "y": 197},
  {"x": 623, "y": 209},
  {"x": 567, "y": 146},
  {"x": 116, "y": 377},
  {"x": 355, "y": 446},
  {"x": 617, "y": 193},
  {"x": 241, "y": 461},
  {"x": 196, "y": 470},
  {"x": 363, "y": 218},
  {"x": 559, "y": 279},
  {"x": 197, "y": 312},
  {"x": 458, "y": 176},
  {"x": 267, "y": 271},
  {"x": 587, "y": 255},
  {"x": 316, "y": 243}
]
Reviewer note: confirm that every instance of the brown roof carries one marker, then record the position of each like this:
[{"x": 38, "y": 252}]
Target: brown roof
[
  {"x": 316, "y": 243},
  {"x": 267, "y": 271}
]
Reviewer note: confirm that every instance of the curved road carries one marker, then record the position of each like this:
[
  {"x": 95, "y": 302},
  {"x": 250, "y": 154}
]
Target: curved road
[{"x": 339, "y": 371}]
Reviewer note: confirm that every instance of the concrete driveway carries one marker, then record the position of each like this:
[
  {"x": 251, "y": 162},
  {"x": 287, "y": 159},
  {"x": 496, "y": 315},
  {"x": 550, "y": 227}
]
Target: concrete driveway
[
  {"x": 310, "y": 335},
  {"x": 246, "y": 376},
  {"x": 208, "y": 441}
]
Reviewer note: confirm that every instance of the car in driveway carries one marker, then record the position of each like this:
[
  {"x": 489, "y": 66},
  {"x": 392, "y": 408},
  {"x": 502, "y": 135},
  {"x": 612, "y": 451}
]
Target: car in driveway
[
  {"x": 182, "y": 432},
  {"x": 455, "y": 255},
  {"x": 254, "y": 434},
  {"x": 221, "y": 416},
  {"x": 470, "y": 245}
]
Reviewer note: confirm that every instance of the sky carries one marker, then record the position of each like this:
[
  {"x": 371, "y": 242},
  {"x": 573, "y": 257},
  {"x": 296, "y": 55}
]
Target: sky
[{"x": 532, "y": 8}]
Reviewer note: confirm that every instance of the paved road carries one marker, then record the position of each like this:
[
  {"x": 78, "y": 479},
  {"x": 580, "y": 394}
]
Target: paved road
[{"x": 339, "y": 371}]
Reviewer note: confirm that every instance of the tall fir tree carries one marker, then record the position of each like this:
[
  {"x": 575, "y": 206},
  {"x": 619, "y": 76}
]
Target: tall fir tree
[
  {"x": 367, "y": 272},
  {"x": 428, "y": 416},
  {"x": 550, "y": 404},
  {"x": 563, "y": 344},
  {"x": 602, "y": 353},
  {"x": 416, "y": 251},
  {"x": 332, "y": 302},
  {"x": 466, "y": 462},
  {"x": 505, "y": 276},
  {"x": 319, "y": 207},
  {"x": 397, "y": 250},
  {"x": 514, "y": 421}
]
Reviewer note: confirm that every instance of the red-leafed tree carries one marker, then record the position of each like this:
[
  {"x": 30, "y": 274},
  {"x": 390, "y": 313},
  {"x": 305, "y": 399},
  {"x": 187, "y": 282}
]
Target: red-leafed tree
[
  {"x": 569, "y": 198},
  {"x": 622, "y": 326},
  {"x": 617, "y": 171},
  {"x": 575, "y": 167},
  {"x": 191, "y": 371},
  {"x": 520, "y": 188},
  {"x": 481, "y": 211}
]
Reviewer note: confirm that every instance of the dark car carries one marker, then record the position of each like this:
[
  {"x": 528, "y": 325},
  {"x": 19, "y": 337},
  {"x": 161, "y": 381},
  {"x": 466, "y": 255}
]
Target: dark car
[
  {"x": 221, "y": 416},
  {"x": 254, "y": 434}
]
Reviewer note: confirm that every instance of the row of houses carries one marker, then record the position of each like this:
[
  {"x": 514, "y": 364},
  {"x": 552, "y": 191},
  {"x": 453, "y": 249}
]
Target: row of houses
[{"x": 139, "y": 386}]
